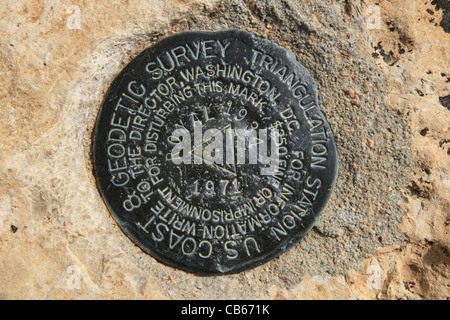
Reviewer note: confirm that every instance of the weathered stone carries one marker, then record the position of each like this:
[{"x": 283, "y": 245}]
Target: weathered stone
[{"x": 54, "y": 77}]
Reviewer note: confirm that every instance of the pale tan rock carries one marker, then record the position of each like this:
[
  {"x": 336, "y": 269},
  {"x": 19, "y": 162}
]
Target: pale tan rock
[{"x": 67, "y": 246}]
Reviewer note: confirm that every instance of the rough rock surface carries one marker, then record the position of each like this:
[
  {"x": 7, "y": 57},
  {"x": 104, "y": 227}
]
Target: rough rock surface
[{"x": 382, "y": 69}]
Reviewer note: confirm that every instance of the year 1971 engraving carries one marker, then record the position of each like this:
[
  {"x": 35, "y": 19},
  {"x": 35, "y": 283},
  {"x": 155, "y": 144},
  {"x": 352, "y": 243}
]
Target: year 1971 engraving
[{"x": 211, "y": 152}]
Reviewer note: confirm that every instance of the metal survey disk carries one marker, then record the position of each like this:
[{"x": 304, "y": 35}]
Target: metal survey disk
[{"x": 211, "y": 152}]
